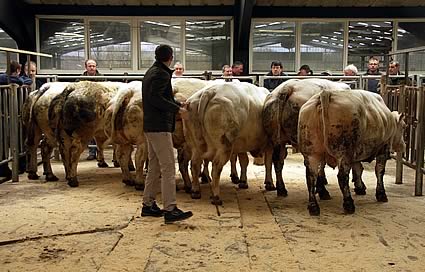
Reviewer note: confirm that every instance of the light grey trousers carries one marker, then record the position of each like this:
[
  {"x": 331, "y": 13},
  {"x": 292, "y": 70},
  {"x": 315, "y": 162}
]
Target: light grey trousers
[{"x": 161, "y": 170}]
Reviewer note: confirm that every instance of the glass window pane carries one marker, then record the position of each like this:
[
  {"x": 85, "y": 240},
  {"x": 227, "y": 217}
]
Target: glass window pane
[
  {"x": 368, "y": 39},
  {"x": 409, "y": 35},
  {"x": 6, "y": 41},
  {"x": 273, "y": 41},
  {"x": 110, "y": 44},
  {"x": 64, "y": 39},
  {"x": 322, "y": 46},
  {"x": 154, "y": 33},
  {"x": 207, "y": 44}
]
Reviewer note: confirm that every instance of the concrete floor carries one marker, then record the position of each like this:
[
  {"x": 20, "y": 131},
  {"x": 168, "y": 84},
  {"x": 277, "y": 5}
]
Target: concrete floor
[{"x": 97, "y": 226}]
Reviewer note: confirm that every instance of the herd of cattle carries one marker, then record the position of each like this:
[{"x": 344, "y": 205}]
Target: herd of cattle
[{"x": 325, "y": 120}]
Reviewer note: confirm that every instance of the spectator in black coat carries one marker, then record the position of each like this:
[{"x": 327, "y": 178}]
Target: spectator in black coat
[{"x": 276, "y": 70}]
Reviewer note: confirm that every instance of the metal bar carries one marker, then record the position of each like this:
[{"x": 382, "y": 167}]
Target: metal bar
[
  {"x": 14, "y": 142},
  {"x": 420, "y": 130},
  {"x": 402, "y": 51},
  {"x": 12, "y": 50},
  {"x": 399, "y": 160}
]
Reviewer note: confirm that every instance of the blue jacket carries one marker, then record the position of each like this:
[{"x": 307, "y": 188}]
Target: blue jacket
[{"x": 12, "y": 79}]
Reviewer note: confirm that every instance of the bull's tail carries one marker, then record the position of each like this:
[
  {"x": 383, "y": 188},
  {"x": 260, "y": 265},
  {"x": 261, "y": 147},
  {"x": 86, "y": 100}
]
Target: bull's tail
[
  {"x": 325, "y": 97},
  {"x": 56, "y": 108},
  {"x": 120, "y": 104}
]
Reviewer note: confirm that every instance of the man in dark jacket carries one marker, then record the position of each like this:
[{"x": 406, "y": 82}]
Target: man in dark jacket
[
  {"x": 15, "y": 70},
  {"x": 276, "y": 70},
  {"x": 160, "y": 109},
  {"x": 373, "y": 70}
]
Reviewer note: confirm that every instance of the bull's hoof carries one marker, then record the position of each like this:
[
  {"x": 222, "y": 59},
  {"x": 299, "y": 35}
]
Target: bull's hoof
[
  {"x": 215, "y": 200},
  {"x": 131, "y": 168},
  {"x": 128, "y": 182},
  {"x": 116, "y": 164},
  {"x": 102, "y": 164},
  {"x": 282, "y": 192},
  {"x": 381, "y": 197},
  {"x": 234, "y": 178},
  {"x": 243, "y": 185},
  {"x": 33, "y": 176},
  {"x": 314, "y": 209},
  {"x": 139, "y": 186},
  {"x": 324, "y": 194},
  {"x": 73, "y": 182},
  {"x": 51, "y": 177},
  {"x": 270, "y": 186},
  {"x": 187, "y": 189},
  {"x": 196, "y": 195},
  {"x": 360, "y": 190},
  {"x": 349, "y": 207},
  {"x": 205, "y": 179}
]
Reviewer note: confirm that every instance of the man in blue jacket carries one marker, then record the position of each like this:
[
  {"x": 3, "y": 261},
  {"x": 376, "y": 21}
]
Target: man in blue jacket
[
  {"x": 160, "y": 109},
  {"x": 15, "y": 70}
]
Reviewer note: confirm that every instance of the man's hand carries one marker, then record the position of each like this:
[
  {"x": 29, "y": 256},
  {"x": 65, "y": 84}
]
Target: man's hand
[{"x": 184, "y": 113}]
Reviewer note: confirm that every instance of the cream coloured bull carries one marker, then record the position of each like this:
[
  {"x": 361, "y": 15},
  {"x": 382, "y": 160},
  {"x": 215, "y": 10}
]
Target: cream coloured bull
[
  {"x": 78, "y": 115},
  {"x": 225, "y": 119},
  {"x": 280, "y": 120},
  {"x": 124, "y": 128},
  {"x": 340, "y": 128}
]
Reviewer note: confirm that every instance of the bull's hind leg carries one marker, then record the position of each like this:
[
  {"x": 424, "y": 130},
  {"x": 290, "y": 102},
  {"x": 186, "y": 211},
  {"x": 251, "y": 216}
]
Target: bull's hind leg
[
  {"x": 47, "y": 147},
  {"x": 141, "y": 157},
  {"x": 233, "y": 171},
  {"x": 359, "y": 186},
  {"x": 343, "y": 178},
  {"x": 320, "y": 184},
  {"x": 217, "y": 166},
  {"x": 183, "y": 157},
  {"x": 196, "y": 162},
  {"x": 268, "y": 180},
  {"x": 243, "y": 162},
  {"x": 381, "y": 161},
  {"x": 31, "y": 155},
  {"x": 279, "y": 156},
  {"x": 205, "y": 175},
  {"x": 123, "y": 154},
  {"x": 100, "y": 142},
  {"x": 311, "y": 167}
]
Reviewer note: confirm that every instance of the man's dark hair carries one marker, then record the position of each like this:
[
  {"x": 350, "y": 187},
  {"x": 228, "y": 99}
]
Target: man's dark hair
[
  {"x": 14, "y": 66},
  {"x": 163, "y": 53},
  {"x": 276, "y": 63},
  {"x": 237, "y": 63}
]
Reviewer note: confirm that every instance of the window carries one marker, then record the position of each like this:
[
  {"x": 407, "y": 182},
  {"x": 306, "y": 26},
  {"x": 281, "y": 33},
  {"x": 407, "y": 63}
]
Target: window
[
  {"x": 409, "y": 35},
  {"x": 156, "y": 32},
  {"x": 64, "y": 40},
  {"x": 368, "y": 39},
  {"x": 273, "y": 41},
  {"x": 6, "y": 41},
  {"x": 110, "y": 44},
  {"x": 322, "y": 45},
  {"x": 207, "y": 44}
]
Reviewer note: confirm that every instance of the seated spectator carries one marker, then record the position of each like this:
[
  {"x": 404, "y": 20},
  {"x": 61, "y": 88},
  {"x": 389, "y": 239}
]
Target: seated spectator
[
  {"x": 394, "y": 70},
  {"x": 178, "y": 69},
  {"x": 237, "y": 68},
  {"x": 350, "y": 70},
  {"x": 373, "y": 69},
  {"x": 30, "y": 74},
  {"x": 15, "y": 70},
  {"x": 227, "y": 74},
  {"x": 276, "y": 70},
  {"x": 305, "y": 71},
  {"x": 91, "y": 70}
]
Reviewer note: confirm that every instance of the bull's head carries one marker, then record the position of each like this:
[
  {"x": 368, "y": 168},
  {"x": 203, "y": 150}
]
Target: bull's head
[{"x": 397, "y": 141}]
